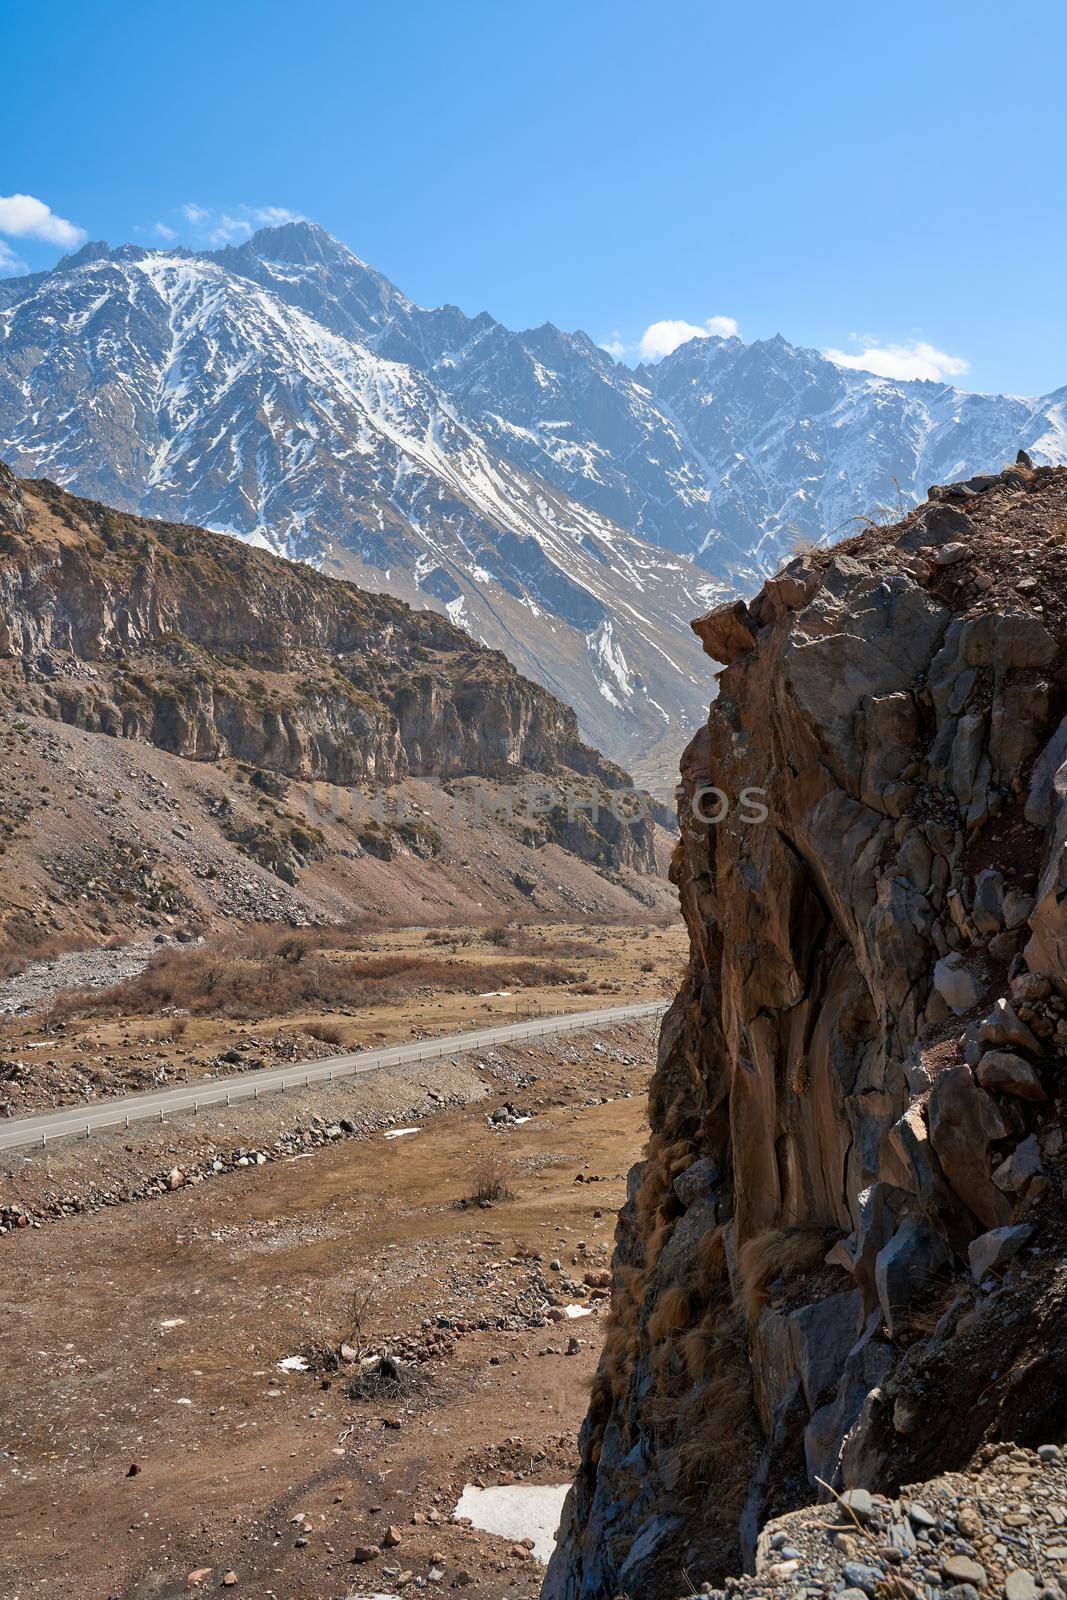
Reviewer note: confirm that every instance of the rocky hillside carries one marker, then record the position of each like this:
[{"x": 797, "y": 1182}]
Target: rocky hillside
[
  {"x": 226, "y": 659},
  {"x": 841, "y": 1262}
]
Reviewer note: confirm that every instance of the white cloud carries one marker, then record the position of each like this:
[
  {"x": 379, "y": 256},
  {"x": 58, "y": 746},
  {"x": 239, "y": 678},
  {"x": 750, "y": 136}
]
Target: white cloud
[
  {"x": 660, "y": 338},
  {"x": 225, "y": 227},
  {"x": 615, "y": 345},
  {"x": 274, "y": 216},
  {"x": 915, "y": 359},
  {"x": 10, "y": 263},
  {"x": 24, "y": 217},
  {"x": 161, "y": 231}
]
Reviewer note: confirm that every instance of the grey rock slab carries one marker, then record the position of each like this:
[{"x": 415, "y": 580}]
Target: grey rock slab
[
  {"x": 993, "y": 1250},
  {"x": 959, "y": 985},
  {"x": 905, "y": 1266}
]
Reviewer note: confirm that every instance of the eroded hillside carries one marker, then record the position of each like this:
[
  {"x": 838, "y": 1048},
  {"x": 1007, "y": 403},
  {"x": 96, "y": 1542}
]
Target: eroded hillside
[
  {"x": 172, "y": 697},
  {"x": 841, "y": 1261}
]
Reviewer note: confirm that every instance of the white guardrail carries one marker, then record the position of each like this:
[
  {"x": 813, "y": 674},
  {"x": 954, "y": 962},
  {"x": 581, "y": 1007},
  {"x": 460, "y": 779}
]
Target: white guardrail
[{"x": 82, "y": 1121}]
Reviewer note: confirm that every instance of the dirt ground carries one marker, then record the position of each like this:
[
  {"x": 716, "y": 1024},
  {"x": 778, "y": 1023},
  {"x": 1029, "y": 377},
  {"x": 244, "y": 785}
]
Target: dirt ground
[
  {"x": 146, "y": 1429},
  {"x": 47, "y": 1059}
]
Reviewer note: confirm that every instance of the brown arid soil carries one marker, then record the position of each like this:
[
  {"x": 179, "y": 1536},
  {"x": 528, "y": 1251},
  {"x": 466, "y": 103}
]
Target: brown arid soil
[
  {"x": 266, "y": 996},
  {"x": 148, "y": 1430}
]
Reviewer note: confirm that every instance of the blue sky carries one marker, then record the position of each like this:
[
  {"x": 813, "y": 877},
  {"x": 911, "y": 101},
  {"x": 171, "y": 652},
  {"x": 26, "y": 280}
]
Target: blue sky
[{"x": 886, "y": 181}]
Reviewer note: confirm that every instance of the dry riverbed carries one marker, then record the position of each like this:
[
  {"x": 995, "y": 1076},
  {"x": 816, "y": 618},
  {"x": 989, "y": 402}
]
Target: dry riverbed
[{"x": 148, "y": 1430}]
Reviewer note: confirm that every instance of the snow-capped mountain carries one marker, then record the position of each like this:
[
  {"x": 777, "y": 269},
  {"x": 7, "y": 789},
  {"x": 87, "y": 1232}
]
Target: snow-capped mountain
[
  {"x": 552, "y": 500},
  {"x": 726, "y": 452},
  {"x": 174, "y": 385}
]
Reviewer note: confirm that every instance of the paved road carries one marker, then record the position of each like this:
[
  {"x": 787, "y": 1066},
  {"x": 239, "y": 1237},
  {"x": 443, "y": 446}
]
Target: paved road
[{"x": 72, "y": 1121}]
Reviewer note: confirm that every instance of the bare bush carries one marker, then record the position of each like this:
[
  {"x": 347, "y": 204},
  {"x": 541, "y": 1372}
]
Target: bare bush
[{"x": 490, "y": 1181}]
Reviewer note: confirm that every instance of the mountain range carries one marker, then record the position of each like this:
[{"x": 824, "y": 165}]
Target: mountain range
[{"x": 559, "y": 505}]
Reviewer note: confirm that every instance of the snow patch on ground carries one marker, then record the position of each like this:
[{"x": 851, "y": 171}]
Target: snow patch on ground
[{"x": 517, "y": 1511}]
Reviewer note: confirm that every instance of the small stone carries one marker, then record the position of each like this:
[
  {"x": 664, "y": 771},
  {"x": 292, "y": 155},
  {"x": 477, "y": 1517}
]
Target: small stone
[
  {"x": 1049, "y": 1452},
  {"x": 366, "y": 1552},
  {"x": 995, "y": 1249},
  {"x": 229, "y": 1580},
  {"x": 859, "y": 1502},
  {"x": 964, "y": 1569},
  {"x": 391, "y": 1537},
  {"x": 949, "y": 554},
  {"x": 862, "y": 1577},
  {"x": 1020, "y": 1585},
  {"x": 920, "y": 1516}
]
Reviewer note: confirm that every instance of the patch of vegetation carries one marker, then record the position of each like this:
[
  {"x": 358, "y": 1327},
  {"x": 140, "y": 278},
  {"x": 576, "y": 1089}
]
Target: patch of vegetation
[{"x": 263, "y": 973}]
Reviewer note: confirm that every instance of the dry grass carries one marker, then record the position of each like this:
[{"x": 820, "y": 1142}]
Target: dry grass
[
  {"x": 264, "y": 972},
  {"x": 776, "y": 1253}
]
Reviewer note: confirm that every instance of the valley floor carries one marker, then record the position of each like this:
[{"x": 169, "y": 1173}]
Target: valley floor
[{"x": 149, "y": 1431}]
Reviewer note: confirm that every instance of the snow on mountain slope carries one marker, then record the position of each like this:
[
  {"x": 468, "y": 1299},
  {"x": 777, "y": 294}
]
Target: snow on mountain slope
[
  {"x": 725, "y": 452},
  {"x": 550, "y": 498},
  {"x": 171, "y": 385}
]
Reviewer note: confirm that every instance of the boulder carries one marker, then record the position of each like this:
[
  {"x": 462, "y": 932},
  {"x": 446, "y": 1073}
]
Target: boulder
[
  {"x": 1004, "y": 1030},
  {"x": 727, "y": 632},
  {"x": 821, "y": 1336},
  {"x": 993, "y": 1250},
  {"x": 1014, "y": 1174},
  {"x": 697, "y": 1181},
  {"x": 958, "y": 984},
  {"x": 987, "y": 911},
  {"x": 906, "y": 1265},
  {"x": 1009, "y": 1074},
  {"x": 964, "y": 1121}
]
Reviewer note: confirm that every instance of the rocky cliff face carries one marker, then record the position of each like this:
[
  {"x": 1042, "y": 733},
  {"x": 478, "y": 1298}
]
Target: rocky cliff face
[
  {"x": 841, "y": 1259},
  {"x": 210, "y": 649}
]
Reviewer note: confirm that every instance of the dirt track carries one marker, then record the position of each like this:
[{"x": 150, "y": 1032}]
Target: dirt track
[{"x": 255, "y": 1267}]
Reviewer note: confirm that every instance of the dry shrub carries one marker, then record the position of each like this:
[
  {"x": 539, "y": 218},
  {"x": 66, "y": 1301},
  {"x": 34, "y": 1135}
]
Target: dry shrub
[
  {"x": 385, "y": 1379},
  {"x": 325, "y": 1032},
  {"x": 490, "y": 1180},
  {"x": 271, "y": 972}
]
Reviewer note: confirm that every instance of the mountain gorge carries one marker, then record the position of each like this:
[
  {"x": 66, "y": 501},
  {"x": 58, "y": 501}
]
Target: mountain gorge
[{"x": 561, "y": 506}]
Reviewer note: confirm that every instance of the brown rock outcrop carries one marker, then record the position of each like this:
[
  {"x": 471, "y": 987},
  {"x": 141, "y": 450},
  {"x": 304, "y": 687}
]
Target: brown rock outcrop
[
  {"x": 783, "y": 1323},
  {"x": 209, "y": 648}
]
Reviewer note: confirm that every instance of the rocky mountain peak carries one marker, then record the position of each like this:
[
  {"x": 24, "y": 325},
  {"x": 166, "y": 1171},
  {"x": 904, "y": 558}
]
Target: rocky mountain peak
[
  {"x": 94, "y": 250},
  {"x": 853, "y": 1199}
]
